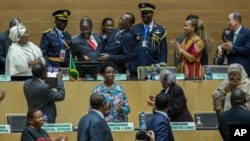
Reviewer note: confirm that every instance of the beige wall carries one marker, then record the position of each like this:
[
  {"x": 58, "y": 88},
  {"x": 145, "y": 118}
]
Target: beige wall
[{"x": 36, "y": 14}]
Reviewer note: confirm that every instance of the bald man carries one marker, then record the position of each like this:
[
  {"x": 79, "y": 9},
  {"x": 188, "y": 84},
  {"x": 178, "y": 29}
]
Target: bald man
[
  {"x": 237, "y": 115},
  {"x": 5, "y": 42}
]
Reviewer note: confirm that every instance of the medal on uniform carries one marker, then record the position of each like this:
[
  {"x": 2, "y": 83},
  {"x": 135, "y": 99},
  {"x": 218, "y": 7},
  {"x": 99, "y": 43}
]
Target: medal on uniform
[
  {"x": 62, "y": 54},
  {"x": 138, "y": 37},
  {"x": 144, "y": 43}
]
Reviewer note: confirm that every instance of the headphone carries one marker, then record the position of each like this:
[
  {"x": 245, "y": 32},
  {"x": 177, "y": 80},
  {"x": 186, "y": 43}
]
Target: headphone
[{"x": 18, "y": 33}]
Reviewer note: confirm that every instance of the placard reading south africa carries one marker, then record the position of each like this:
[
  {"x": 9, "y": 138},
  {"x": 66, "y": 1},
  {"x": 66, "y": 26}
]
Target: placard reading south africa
[
  {"x": 125, "y": 126},
  {"x": 4, "y": 129},
  {"x": 59, "y": 127}
]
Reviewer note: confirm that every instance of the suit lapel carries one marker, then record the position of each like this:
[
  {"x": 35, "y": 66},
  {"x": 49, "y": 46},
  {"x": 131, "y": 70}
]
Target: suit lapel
[{"x": 112, "y": 36}]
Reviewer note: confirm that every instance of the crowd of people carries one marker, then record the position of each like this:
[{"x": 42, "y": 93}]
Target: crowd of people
[{"x": 122, "y": 50}]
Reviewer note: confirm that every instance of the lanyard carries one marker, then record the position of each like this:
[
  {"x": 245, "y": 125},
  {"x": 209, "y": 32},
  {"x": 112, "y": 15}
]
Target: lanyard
[
  {"x": 146, "y": 28},
  {"x": 60, "y": 38}
]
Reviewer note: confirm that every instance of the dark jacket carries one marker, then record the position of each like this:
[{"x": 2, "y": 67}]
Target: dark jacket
[
  {"x": 178, "y": 110},
  {"x": 237, "y": 115},
  {"x": 119, "y": 47},
  {"x": 5, "y": 43},
  {"x": 42, "y": 96},
  {"x": 241, "y": 50},
  {"x": 80, "y": 47},
  {"x": 160, "y": 124},
  {"x": 92, "y": 127}
]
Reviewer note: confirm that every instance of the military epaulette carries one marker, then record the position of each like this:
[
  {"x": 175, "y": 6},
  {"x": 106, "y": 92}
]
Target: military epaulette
[
  {"x": 67, "y": 32},
  {"x": 49, "y": 30}
]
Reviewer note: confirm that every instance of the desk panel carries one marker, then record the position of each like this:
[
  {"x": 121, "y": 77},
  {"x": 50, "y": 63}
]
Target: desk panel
[{"x": 76, "y": 101}]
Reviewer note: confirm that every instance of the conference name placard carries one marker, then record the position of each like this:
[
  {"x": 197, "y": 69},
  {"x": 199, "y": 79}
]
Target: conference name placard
[
  {"x": 4, "y": 128},
  {"x": 58, "y": 127},
  {"x": 183, "y": 125},
  {"x": 125, "y": 126}
]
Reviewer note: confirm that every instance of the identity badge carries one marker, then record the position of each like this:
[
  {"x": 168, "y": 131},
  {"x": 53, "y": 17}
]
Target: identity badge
[
  {"x": 144, "y": 43},
  {"x": 62, "y": 54}
]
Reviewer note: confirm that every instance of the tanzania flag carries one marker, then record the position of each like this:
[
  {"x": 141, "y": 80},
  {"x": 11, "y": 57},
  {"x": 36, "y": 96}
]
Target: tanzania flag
[{"x": 73, "y": 73}]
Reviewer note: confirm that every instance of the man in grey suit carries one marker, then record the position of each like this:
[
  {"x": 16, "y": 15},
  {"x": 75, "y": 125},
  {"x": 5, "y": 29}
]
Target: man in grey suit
[
  {"x": 41, "y": 95},
  {"x": 93, "y": 127},
  {"x": 5, "y": 43}
]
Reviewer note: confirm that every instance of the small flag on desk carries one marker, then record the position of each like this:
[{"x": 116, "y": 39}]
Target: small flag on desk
[{"x": 73, "y": 73}]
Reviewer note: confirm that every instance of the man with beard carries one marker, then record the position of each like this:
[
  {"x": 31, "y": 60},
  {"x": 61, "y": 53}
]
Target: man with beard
[
  {"x": 55, "y": 43},
  {"x": 150, "y": 41}
]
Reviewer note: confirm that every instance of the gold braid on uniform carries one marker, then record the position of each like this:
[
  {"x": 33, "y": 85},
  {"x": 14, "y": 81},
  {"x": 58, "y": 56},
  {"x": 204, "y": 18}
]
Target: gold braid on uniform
[{"x": 157, "y": 39}]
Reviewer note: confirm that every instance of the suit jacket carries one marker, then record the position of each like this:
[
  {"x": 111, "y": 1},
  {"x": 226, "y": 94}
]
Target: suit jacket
[
  {"x": 5, "y": 43},
  {"x": 92, "y": 127},
  {"x": 81, "y": 47},
  {"x": 42, "y": 96},
  {"x": 241, "y": 49},
  {"x": 119, "y": 47},
  {"x": 160, "y": 124},
  {"x": 178, "y": 111},
  {"x": 235, "y": 115}
]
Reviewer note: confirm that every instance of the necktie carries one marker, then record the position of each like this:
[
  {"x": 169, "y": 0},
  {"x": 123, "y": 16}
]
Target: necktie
[
  {"x": 92, "y": 44},
  {"x": 146, "y": 28},
  {"x": 235, "y": 37},
  {"x": 118, "y": 32}
]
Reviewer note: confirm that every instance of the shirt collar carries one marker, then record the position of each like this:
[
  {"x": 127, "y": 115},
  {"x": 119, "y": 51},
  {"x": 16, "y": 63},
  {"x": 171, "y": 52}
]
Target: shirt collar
[
  {"x": 165, "y": 114},
  {"x": 99, "y": 113},
  {"x": 150, "y": 26},
  {"x": 59, "y": 31},
  {"x": 238, "y": 30}
]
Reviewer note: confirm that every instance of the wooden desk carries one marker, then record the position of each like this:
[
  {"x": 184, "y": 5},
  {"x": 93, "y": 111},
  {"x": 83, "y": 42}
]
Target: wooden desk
[
  {"x": 75, "y": 105},
  {"x": 202, "y": 135}
]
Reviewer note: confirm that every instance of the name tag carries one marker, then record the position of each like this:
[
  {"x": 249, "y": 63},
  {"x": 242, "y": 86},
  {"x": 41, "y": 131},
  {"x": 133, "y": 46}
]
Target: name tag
[
  {"x": 220, "y": 76},
  {"x": 183, "y": 125},
  {"x": 117, "y": 77},
  {"x": 179, "y": 76},
  {"x": 5, "y": 78},
  {"x": 4, "y": 129},
  {"x": 58, "y": 127},
  {"x": 124, "y": 126}
]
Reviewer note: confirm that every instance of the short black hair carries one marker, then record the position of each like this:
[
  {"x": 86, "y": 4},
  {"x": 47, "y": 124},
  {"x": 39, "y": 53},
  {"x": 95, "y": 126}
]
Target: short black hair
[
  {"x": 38, "y": 70},
  {"x": 105, "y": 65},
  {"x": 238, "y": 97},
  {"x": 237, "y": 16},
  {"x": 87, "y": 20},
  {"x": 96, "y": 100},
  {"x": 162, "y": 101},
  {"x": 30, "y": 113}
]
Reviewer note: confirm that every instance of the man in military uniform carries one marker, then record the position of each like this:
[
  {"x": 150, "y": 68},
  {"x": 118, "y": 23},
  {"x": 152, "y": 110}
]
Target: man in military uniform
[
  {"x": 150, "y": 41},
  {"x": 55, "y": 43}
]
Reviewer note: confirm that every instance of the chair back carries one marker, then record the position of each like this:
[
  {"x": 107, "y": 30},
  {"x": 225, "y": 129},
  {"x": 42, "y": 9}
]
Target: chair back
[
  {"x": 208, "y": 119},
  {"x": 142, "y": 70},
  {"x": 17, "y": 122}
]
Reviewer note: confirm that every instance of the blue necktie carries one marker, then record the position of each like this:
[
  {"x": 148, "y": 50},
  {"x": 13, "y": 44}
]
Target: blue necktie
[{"x": 146, "y": 28}]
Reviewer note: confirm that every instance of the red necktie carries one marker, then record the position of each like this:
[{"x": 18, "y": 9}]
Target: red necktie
[{"x": 92, "y": 44}]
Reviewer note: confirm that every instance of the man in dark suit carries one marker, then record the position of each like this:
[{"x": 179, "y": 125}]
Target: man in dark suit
[
  {"x": 40, "y": 95},
  {"x": 93, "y": 127},
  {"x": 237, "y": 115},
  {"x": 5, "y": 43},
  {"x": 119, "y": 45},
  {"x": 238, "y": 45},
  {"x": 160, "y": 122},
  {"x": 55, "y": 43},
  {"x": 150, "y": 41},
  {"x": 85, "y": 45}
]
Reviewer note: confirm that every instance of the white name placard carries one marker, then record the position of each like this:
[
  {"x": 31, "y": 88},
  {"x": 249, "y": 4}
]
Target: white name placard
[
  {"x": 220, "y": 76},
  {"x": 5, "y": 78},
  {"x": 58, "y": 127},
  {"x": 183, "y": 125},
  {"x": 4, "y": 128},
  {"x": 117, "y": 77},
  {"x": 179, "y": 76},
  {"x": 124, "y": 126}
]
